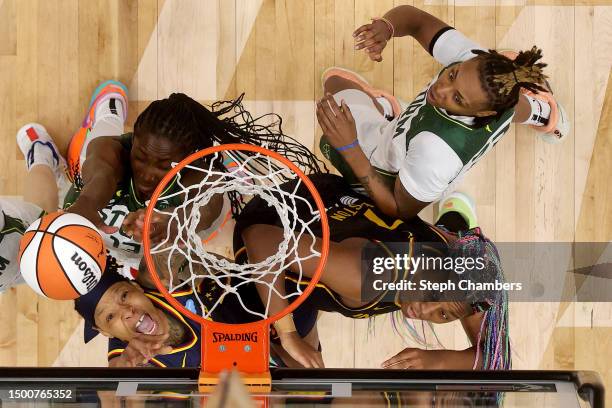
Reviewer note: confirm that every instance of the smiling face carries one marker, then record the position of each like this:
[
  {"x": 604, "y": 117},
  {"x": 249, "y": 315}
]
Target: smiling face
[
  {"x": 459, "y": 91},
  {"x": 151, "y": 158},
  {"x": 124, "y": 311}
]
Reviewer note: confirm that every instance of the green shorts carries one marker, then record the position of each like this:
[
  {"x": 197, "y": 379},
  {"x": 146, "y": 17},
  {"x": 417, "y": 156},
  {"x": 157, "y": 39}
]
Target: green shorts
[{"x": 345, "y": 170}]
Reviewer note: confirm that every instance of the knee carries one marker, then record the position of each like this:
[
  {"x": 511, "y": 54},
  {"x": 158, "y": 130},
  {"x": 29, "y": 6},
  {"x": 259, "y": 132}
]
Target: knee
[
  {"x": 333, "y": 84},
  {"x": 256, "y": 247}
]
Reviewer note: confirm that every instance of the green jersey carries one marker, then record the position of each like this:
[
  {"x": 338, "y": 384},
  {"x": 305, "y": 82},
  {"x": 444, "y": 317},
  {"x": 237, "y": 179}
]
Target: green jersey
[{"x": 126, "y": 250}]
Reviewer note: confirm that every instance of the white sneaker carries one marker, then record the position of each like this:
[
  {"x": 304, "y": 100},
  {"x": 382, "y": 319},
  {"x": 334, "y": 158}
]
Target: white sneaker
[
  {"x": 38, "y": 148},
  {"x": 559, "y": 126}
]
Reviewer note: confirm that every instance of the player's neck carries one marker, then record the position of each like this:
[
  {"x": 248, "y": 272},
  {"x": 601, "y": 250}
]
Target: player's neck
[{"x": 176, "y": 331}]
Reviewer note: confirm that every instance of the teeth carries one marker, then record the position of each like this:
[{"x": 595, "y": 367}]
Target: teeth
[
  {"x": 153, "y": 328},
  {"x": 139, "y": 321}
]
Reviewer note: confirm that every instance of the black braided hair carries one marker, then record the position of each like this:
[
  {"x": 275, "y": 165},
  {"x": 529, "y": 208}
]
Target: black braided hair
[
  {"x": 502, "y": 78},
  {"x": 185, "y": 121}
]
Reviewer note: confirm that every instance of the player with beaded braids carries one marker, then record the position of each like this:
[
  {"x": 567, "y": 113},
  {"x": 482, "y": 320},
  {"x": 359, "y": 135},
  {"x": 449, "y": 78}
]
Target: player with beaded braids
[
  {"x": 406, "y": 157},
  {"x": 115, "y": 173},
  {"x": 505, "y": 79},
  {"x": 359, "y": 233}
]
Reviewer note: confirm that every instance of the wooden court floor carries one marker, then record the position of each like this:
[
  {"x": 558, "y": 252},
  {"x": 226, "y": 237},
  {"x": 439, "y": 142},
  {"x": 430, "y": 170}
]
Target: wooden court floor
[{"x": 54, "y": 52}]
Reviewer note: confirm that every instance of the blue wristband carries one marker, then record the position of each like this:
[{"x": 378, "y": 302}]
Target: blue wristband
[{"x": 348, "y": 146}]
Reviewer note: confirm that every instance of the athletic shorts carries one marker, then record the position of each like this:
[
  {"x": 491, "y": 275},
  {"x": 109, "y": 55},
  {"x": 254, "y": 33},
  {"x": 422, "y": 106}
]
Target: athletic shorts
[{"x": 370, "y": 124}]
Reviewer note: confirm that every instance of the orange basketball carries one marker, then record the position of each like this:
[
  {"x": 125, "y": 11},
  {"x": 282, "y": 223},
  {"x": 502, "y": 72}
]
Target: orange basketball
[{"x": 62, "y": 256}]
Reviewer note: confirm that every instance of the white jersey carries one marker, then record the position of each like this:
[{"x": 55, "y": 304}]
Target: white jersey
[{"x": 15, "y": 217}]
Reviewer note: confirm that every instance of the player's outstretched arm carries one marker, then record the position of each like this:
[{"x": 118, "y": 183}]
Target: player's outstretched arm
[
  {"x": 163, "y": 226},
  {"x": 414, "y": 358},
  {"x": 417, "y": 359},
  {"x": 258, "y": 250},
  {"x": 102, "y": 171},
  {"x": 400, "y": 22}
]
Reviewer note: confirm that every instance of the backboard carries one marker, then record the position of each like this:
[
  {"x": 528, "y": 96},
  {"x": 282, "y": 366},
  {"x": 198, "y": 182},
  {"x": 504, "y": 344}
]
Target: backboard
[{"x": 93, "y": 387}]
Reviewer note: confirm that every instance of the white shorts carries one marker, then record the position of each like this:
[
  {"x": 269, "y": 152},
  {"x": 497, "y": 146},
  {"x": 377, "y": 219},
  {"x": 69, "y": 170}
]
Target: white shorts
[
  {"x": 372, "y": 127},
  {"x": 23, "y": 213}
]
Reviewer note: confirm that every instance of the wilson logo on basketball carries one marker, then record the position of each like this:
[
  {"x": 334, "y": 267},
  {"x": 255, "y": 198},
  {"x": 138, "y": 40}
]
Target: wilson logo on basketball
[
  {"x": 217, "y": 337},
  {"x": 89, "y": 278}
]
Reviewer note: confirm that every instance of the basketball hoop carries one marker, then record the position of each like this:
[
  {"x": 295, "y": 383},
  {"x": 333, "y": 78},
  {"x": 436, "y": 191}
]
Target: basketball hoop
[{"x": 255, "y": 171}]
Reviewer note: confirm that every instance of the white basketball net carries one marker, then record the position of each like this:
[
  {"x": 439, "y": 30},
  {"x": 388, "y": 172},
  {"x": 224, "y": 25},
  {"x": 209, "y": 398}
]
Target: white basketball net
[{"x": 252, "y": 175}]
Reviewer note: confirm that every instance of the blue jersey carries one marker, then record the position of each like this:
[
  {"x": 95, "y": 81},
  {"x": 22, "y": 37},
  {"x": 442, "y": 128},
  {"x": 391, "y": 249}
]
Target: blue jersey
[
  {"x": 186, "y": 354},
  {"x": 229, "y": 310}
]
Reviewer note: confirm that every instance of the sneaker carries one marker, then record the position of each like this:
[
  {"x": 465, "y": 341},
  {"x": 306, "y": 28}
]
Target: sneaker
[
  {"x": 105, "y": 91},
  {"x": 110, "y": 89},
  {"x": 365, "y": 85},
  {"x": 33, "y": 139},
  {"x": 462, "y": 204},
  {"x": 558, "y": 126}
]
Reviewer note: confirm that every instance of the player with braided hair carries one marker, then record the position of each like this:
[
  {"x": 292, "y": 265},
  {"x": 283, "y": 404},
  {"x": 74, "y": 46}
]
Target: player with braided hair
[
  {"x": 115, "y": 173},
  {"x": 360, "y": 234},
  {"x": 510, "y": 79},
  {"x": 408, "y": 157}
]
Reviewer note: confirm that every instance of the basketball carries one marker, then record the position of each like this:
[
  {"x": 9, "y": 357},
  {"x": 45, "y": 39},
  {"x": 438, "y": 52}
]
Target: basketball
[{"x": 62, "y": 256}]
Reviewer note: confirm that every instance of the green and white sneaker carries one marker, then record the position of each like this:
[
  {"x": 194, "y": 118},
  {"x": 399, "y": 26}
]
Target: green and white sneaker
[{"x": 462, "y": 204}]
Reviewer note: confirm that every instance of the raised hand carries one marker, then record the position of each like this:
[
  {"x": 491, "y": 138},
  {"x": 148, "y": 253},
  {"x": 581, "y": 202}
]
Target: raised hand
[
  {"x": 373, "y": 38},
  {"x": 133, "y": 226},
  {"x": 142, "y": 348},
  {"x": 336, "y": 122}
]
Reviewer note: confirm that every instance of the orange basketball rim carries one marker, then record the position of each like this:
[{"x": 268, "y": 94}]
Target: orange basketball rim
[{"x": 248, "y": 350}]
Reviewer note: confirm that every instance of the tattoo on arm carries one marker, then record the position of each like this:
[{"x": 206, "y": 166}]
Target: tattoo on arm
[
  {"x": 365, "y": 182},
  {"x": 375, "y": 177}
]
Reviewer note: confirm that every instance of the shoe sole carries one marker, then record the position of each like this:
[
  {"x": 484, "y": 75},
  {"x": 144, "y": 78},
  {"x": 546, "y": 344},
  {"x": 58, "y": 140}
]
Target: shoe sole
[
  {"x": 363, "y": 83},
  {"x": 103, "y": 85},
  {"x": 463, "y": 197},
  {"x": 99, "y": 91}
]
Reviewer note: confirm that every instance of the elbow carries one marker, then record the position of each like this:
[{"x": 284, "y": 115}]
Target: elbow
[
  {"x": 406, "y": 212},
  {"x": 391, "y": 210}
]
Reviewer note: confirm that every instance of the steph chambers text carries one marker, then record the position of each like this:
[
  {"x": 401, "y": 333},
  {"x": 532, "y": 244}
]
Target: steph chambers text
[{"x": 465, "y": 284}]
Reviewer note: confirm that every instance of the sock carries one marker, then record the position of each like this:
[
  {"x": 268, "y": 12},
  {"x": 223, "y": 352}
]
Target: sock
[
  {"x": 108, "y": 125},
  {"x": 112, "y": 106},
  {"x": 386, "y": 105},
  {"x": 540, "y": 112},
  {"x": 42, "y": 153}
]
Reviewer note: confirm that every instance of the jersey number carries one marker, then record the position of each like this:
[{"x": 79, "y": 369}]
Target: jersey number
[{"x": 3, "y": 263}]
